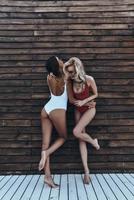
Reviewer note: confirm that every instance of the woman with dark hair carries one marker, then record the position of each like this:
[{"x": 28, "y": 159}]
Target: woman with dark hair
[
  {"x": 82, "y": 90},
  {"x": 53, "y": 114}
]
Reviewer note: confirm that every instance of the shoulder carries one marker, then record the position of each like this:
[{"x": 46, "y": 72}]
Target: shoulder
[
  {"x": 50, "y": 80},
  {"x": 49, "y": 77},
  {"x": 89, "y": 79}
]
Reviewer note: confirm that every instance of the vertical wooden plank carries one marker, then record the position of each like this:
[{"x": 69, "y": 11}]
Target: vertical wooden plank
[
  {"x": 64, "y": 187},
  {"x": 98, "y": 189},
  {"x": 12, "y": 190},
  {"x": 129, "y": 178},
  {"x": 55, "y": 191},
  {"x": 126, "y": 182},
  {"x": 8, "y": 185},
  {"x": 46, "y": 191},
  {"x": 107, "y": 190},
  {"x": 38, "y": 189},
  {"x": 90, "y": 190},
  {"x": 117, "y": 192},
  {"x": 1, "y": 178},
  {"x": 5, "y": 180},
  {"x": 21, "y": 190},
  {"x": 80, "y": 187},
  {"x": 72, "y": 187},
  {"x": 30, "y": 188},
  {"x": 122, "y": 187}
]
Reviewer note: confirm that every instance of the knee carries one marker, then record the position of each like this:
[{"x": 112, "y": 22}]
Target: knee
[
  {"x": 76, "y": 132},
  {"x": 45, "y": 146},
  {"x": 81, "y": 141},
  {"x": 64, "y": 137},
  {"x": 93, "y": 111}
]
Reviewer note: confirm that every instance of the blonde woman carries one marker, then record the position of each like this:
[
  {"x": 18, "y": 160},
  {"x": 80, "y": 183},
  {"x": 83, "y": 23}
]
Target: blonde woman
[
  {"x": 82, "y": 90},
  {"x": 53, "y": 114}
]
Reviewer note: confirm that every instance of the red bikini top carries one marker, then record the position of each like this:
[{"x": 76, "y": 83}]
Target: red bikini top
[{"x": 82, "y": 95}]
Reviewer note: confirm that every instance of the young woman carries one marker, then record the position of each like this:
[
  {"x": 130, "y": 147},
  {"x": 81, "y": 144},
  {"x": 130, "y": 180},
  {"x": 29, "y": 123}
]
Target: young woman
[
  {"x": 53, "y": 114},
  {"x": 82, "y": 90}
]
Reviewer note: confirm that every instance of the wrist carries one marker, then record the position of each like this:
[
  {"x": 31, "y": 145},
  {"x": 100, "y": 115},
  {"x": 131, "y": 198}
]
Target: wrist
[{"x": 85, "y": 101}]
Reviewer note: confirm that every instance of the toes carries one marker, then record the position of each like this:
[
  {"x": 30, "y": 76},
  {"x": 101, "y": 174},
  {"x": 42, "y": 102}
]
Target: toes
[
  {"x": 97, "y": 146},
  {"x": 42, "y": 161},
  {"x": 56, "y": 185},
  {"x": 87, "y": 179},
  {"x": 41, "y": 166},
  {"x": 51, "y": 184}
]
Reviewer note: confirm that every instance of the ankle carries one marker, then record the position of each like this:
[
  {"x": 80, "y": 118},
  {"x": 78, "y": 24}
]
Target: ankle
[
  {"x": 87, "y": 172},
  {"x": 48, "y": 176},
  {"x": 43, "y": 150}
]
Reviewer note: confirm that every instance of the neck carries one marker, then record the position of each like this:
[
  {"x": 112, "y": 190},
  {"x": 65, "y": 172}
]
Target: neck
[{"x": 78, "y": 81}]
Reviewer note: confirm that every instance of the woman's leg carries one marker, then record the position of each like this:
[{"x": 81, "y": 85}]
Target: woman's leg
[
  {"x": 83, "y": 151},
  {"x": 46, "y": 136},
  {"x": 58, "y": 118},
  {"x": 47, "y": 126},
  {"x": 83, "y": 122}
]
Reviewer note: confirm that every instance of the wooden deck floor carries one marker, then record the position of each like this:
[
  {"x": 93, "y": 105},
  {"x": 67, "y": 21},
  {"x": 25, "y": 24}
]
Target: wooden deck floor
[{"x": 102, "y": 187}]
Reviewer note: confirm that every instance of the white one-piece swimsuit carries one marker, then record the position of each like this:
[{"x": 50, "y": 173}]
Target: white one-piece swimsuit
[{"x": 57, "y": 102}]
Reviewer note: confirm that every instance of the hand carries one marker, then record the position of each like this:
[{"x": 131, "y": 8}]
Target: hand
[
  {"x": 91, "y": 104},
  {"x": 79, "y": 103}
]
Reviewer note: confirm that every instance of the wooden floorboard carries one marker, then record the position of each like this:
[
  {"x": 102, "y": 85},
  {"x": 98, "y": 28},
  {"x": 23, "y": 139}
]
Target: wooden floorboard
[{"x": 102, "y": 187}]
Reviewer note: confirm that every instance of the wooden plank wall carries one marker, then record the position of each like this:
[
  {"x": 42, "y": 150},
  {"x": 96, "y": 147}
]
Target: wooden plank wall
[{"x": 100, "y": 32}]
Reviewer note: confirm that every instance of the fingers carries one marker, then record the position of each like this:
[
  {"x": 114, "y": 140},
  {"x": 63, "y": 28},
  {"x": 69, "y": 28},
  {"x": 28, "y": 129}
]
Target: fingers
[
  {"x": 92, "y": 104},
  {"x": 78, "y": 103}
]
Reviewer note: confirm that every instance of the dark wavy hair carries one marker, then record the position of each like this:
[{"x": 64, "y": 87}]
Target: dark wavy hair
[{"x": 52, "y": 66}]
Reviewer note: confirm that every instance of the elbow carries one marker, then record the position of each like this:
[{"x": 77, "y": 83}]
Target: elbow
[
  {"x": 97, "y": 94},
  {"x": 71, "y": 101}
]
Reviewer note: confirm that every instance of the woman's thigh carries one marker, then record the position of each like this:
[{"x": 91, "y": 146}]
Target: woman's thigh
[
  {"x": 47, "y": 127},
  {"x": 46, "y": 119},
  {"x": 85, "y": 119},
  {"x": 44, "y": 113},
  {"x": 58, "y": 118},
  {"x": 77, "y": 118}
]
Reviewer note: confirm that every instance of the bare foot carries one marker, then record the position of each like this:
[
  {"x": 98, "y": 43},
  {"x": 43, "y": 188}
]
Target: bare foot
[
  {"x": 50, "y": 183},
  {"x": 43, "y": 160},
  {"x": 96, "y": 144},
  {"x": 87, "y": 178}
]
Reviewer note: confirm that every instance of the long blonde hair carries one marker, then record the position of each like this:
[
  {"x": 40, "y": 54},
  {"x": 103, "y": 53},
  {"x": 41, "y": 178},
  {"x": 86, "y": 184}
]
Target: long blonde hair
[{"x": 79, "y": 68}]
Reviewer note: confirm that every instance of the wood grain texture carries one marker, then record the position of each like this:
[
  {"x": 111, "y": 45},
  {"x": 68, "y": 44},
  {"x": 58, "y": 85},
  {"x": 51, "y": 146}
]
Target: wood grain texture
[{"x": 101, "y": 34}]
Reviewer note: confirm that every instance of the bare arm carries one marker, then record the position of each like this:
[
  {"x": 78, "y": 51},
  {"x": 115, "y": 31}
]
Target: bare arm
[
  {"x": 49, "y": 81},
  {"x": 92, "y": 84}
]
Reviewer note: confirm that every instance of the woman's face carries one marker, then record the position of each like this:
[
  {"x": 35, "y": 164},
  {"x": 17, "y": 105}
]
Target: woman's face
[{"x": 71, "y": 71}]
